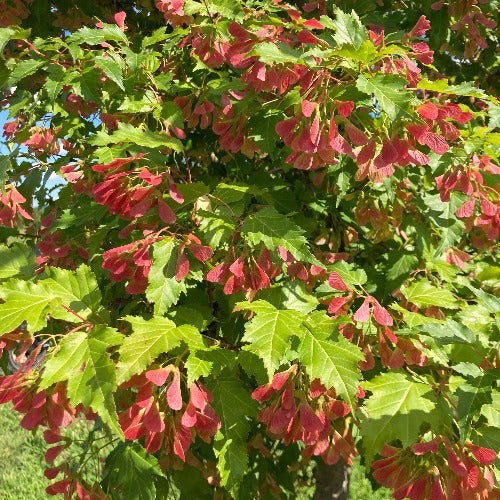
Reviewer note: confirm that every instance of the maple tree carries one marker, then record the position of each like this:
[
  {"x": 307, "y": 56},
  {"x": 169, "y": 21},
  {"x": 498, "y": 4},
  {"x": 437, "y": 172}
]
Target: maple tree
[{"x": 237, "y": 237}]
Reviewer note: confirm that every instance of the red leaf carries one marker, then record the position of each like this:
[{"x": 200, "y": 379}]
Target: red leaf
[
  {"x": 152, "y": 419},
  {"x": 422, "y": 26},
  {"x": 182, "y": 268},
  {"x": 308, "y": 107},
  {"x": 456, "y": 465},
  {"x": 422, "y": 448},
  {"x": 197, "y": 397},
  {"x": 435, "y": 141},
  {"x": 314, "y": 24},
  {"x": 51, "y": 472},
  {"x": 52, "y": 453},
  {"x": 309, "y": 419},
  {"x": 165, "y": 212},
  {"x": 336, "y": 282},
  {"x": 382, "y": 317},
  {"x": 485, "y": 456},
  {"x": 117, "y": 162},
  {"x": 120, "y": 19},
  {"x": 336, "y": 304},
  {"x": 345, "y": 108},
  {"x": 428, "y": 110},
  {"x": 356, "y": 136},
  {"x": 174, "y": 395},
  {"x": 217, "y": 274},
  {"x": 201, "y": 252},
  {"x": 363, "y": 313},
  {"x": 159, "y": 376},
  {"x": 467, "y": 209}
]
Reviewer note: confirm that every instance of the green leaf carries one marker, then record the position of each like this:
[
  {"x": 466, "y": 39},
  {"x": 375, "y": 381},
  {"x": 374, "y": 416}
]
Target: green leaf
[
  {"x": 157, "y": 36},
  {"x": 55, "y": 81},
  {"x": 471, "y": 398},
  {"x": 205, "y": 362},
  {"x": 494, "y": 114},
  {"x": 334, "y": 361},
  {"x": 349, "y": 29},
  {"x": 397, "y": 408},
  {"x": 140, "y": 136},
  {"x": 350, "y": 276},
  {"x": 270, "y": 331},
  {"x": 401, "y": 265},
  {"x": 449, "y": 333},
  {"x": 389, "y": 90},
  {"x": 111, "y": 69},
  {"x": 24, "y": 69},
  {"x": 488, "y": 301},
  {"x": 276, "y": 53},
  {"x": 11, "y": 33},
  {"x": 163, "y": 288},
  {"x": 234, "y": 405},
  {"x": 131, "y": 472},
  {"x": 413, "y": 319},
  {"x": 24, "y": 301},
  {"x": 435, "y": 85},
  {"x": 148, "y": 340},
  {"x": 76, "y": 290},
  {"x": 492, "y": 411},
  {"x": 423, "y": 294},
  {"x": 95, "y": 36},
  {"x": 443, "y": 215},
  {"x": 290, "y": 295},
  {"x": 273, "y": 229},
  {"x": 227, "y": 8},
  {"x": 83, "y": 360},
  {"x": 17, "y": 260}
]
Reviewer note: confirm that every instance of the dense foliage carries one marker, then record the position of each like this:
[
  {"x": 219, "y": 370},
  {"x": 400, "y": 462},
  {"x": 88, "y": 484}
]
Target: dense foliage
[{"x": 241, "y": 236}]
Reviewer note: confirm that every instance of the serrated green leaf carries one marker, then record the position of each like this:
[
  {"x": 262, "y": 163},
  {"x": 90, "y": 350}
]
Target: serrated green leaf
[
  {"x": 273, "y": 229},
  {"x": 163, "y": 288},
  {"x": 270, "y": 331},
  {"x": 349, "y": 274},
  {"x": 55, "y": 81},
  {"x": 471, "y": 398},
  {"x": 131, "y": 473},
  {"x": 443, "y": 215},
  {"x": 157, "y": 36},
  {"x": 349, "y": 29},
  {"x": 397, "y": 408},
  {"x": 449, "y": 333},
  {"x": 230, "y": 9},
  {"x": 149, "y": 339},
  {"x": 390, "y": 92},
  {"x": 435, "y": 85},
  {"x": 205, "y": 362},
  {"x": 401, "y": 265},
  {"x": 23, "y": 69},
  {"x": 413, "y": 319},
  {"x": 290, "y": 295},
  {"x": 83, "y": 361},
  {"x": 234, "y": 405},
  {"x": 334, "y": 361},
  {"x": 488, "y": 301},
  {"x": 17, "y": 260},
  {"x": 423, "y": 294},
  {"x": 24, "y": 301},
  {"x": 76, "y": 290},
  {"x": 140, "y": 136},
  {"x": 494, "y": 116},
  {"x": 95, "y": 36},
  {"x": 492, "y": 411},
  {"x": 276, "y": 53},
  {"x": 111, "y": 69}
]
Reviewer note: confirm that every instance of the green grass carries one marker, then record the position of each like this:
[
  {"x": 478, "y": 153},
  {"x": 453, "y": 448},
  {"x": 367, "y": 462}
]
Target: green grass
[
  {"x": 21, "y": 460},
  {"x": 22, "y": 465}
]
